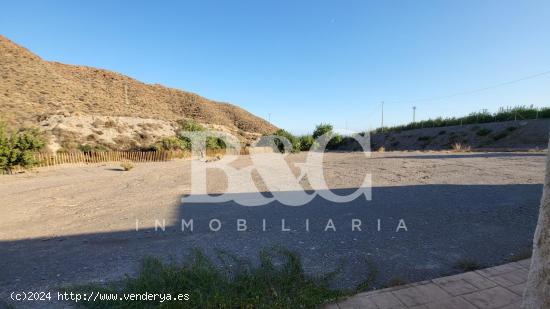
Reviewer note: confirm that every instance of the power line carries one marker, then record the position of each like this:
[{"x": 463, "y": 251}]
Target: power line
[{"x": 434, "y": 98}]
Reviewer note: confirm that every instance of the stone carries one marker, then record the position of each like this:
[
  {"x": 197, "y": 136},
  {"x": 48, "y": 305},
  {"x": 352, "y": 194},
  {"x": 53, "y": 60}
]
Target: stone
[{"x": 537, "y": 290}]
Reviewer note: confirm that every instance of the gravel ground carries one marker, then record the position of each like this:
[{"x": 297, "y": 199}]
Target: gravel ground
[{"x": 67, "y": 225}]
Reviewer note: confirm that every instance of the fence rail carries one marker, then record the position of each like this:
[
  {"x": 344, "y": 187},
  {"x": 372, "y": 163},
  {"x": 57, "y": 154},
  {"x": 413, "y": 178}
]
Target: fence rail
[{"x": 49, "y": 159}]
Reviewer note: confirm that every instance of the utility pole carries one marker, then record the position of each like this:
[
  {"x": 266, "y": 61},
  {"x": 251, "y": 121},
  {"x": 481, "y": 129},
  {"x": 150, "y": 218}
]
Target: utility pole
[
  {"x": 268, "y": 117},
  {"x": 414, "y": 114},
  {"x": 382, "y": 124}
]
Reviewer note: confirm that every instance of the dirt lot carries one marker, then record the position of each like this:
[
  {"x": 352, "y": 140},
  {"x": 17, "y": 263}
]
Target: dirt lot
[{"x": 63, "y": 225}]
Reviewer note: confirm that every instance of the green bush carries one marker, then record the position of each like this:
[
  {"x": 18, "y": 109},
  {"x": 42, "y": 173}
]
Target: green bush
[
  {"x": 16, "y": 147},
  {"x": 307, "y": 142},
  {"x": 190, "y": 125},
  {"x": 172, "y": 143},
  {"x": 213, "y": 142},
  {"x": 335, "y": 141},
  {"x": 293, "y": 140},
  {"x": 322, "y": 129},
  {"x": 91, "y": 148}
]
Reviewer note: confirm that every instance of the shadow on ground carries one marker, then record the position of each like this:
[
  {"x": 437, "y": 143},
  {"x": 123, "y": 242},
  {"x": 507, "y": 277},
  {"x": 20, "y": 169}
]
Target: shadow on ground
[
  {"x": 464, "y": 155},
  {"x": 445, "y": 223}
]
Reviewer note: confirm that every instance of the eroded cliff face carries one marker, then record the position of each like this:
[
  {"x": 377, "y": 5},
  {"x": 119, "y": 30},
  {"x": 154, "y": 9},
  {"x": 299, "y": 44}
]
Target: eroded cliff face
[{"x": 537, "y": 291}]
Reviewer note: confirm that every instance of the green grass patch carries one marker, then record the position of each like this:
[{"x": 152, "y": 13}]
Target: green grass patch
[{"x": 278, "y": 282}]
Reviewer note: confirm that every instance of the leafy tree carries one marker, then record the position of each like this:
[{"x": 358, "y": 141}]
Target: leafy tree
[
  {"x": 307, "y": 142},
  {"x": 322, "y": 129},
  {"x": 16, "y": 147},
  {"x": 286, "y": 137}
]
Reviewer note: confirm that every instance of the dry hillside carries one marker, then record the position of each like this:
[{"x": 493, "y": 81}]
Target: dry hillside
[{"x": 32, "y": 90}]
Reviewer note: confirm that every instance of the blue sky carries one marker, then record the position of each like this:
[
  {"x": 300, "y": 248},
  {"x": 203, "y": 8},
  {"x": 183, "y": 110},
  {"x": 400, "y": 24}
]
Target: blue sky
[{"x": 306, "y": 62}]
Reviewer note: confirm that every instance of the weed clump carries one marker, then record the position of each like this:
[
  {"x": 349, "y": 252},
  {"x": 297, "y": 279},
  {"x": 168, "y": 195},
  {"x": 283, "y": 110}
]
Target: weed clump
[
  {"x": 269, "y": 285},
  {"x": 126, "y": 165}
]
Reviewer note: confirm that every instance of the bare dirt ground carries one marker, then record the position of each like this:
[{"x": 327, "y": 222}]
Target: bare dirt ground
[{"x": 66, "y": 225}]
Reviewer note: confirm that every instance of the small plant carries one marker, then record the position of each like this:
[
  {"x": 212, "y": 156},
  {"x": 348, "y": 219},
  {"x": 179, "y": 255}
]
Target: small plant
[
  {"x": 511, "y": 129},
  {"x": 467, "y": 265},
  {"x": 460, "y": 147},
  {"x": 126, "y": 165},
  {"x": 484, "y": 132},
  {"x": 424, "y": 138},
  {"x": 397, "y": 281},
  {"x": 442, "y": 132},
  {"x": 382, "y": 149}
]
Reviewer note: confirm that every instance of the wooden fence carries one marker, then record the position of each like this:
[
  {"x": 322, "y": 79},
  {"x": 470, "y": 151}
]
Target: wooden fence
[{"x": 48, "y": 159}]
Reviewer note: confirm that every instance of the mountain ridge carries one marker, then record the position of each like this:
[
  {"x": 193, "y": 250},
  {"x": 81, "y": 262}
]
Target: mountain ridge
[{"x": 33, "y": 89}]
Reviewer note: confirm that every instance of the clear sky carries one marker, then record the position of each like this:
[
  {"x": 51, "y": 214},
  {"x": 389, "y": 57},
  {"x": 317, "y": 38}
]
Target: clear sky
[{"x": 306, "y": 62}]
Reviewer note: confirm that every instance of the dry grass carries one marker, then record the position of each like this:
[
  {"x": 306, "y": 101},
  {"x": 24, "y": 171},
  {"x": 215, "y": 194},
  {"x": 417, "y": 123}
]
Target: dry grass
[
  {"x": 460, "y": 147},
  {"x": 382, "y": 149},
  {"x": 127, "y": 165}
]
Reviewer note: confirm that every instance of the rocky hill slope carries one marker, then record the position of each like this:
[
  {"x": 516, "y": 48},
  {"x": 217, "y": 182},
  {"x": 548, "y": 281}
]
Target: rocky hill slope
[
  {"x": 33, "y": 90},
  {"x": 506, "y": 135}
]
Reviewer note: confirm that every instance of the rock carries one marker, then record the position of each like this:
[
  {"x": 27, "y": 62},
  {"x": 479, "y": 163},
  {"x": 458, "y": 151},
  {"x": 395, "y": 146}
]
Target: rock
[{"x": 537, "y": 289}]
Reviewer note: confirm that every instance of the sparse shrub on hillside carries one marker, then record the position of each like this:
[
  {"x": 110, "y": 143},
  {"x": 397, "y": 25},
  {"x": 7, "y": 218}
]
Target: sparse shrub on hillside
[
  {"x": 124, "y": 142},
  {"x": 213, "y": 142},
  {"x": 424, "y": 139},
  {"x": 171, "y": 143},
  {"x": 484, "y": 132},
  {"x": 511, "y": 129},
  {"x": 110, "y": 124},
  {"x": 508, "y": 114},
  {"x": 98, "y": 123},
  {"x": 500, "y": 135},
  {"x": 190, "y": 125},
  {"x": 16, "y": 147},
  {"x": 92, "y": 148},
  {"x": 442, "y": 132},
  {"x": 92, "y": 137}
]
